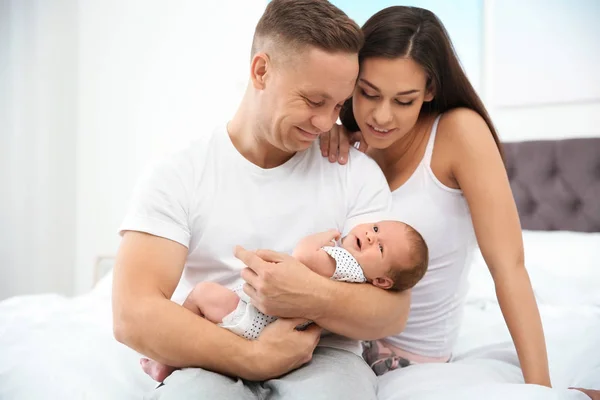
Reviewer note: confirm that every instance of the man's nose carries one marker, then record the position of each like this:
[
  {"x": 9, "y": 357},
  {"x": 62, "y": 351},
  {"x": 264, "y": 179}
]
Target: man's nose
[{"x": 324, "y": 120}]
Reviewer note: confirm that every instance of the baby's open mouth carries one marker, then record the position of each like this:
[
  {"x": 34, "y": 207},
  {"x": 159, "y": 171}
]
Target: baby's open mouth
[{"x": 358, "y": 243}]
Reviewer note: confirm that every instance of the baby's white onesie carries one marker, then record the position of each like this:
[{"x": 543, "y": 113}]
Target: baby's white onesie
[{"x": 247, "y": 321}]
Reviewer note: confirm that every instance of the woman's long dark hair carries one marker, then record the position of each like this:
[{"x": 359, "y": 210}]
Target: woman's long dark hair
[{"x": 417, "y": 33}]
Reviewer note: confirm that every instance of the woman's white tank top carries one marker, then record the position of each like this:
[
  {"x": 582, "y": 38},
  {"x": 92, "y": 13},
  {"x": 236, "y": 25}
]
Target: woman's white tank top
[{"x": 442, "y": 216}]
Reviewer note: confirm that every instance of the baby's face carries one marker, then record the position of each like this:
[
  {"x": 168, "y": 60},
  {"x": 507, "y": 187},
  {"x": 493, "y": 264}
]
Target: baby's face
[{"x": 377, "y": 247}]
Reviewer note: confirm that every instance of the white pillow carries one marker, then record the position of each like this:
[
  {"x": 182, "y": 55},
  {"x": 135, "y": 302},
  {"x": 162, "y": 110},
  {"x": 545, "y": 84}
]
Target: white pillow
[
  {"x": 104, "y": 286},
  {"x": 564, "y": 268}
]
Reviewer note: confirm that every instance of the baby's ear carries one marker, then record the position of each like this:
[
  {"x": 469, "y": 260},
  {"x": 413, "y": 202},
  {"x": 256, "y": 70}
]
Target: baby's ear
[{"x": 383, "y": 282}]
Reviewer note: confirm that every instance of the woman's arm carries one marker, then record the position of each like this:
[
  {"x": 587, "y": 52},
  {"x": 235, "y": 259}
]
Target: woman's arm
[{"x": 478, "y": 169}]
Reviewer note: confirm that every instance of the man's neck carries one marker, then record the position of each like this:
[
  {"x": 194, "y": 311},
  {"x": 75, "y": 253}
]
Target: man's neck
[{"x": 251, "y": 143}]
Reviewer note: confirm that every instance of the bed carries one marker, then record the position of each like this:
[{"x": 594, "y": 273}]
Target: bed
[{"x": 53, "y": 347}]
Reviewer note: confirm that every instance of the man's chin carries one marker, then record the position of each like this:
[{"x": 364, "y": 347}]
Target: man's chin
[
  {"x": 306, "y": 135},
  {"x": 302, "y": 145}
]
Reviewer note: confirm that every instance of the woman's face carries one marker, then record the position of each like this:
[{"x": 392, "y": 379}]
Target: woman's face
[{"x": 388, "y": 98}]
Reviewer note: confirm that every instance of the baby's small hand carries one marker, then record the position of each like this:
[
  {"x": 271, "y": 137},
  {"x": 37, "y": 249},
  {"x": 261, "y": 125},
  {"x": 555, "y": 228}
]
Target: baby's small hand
[
  {"x": 335, "y": 234},
  {"x": 327, "y": 238}
]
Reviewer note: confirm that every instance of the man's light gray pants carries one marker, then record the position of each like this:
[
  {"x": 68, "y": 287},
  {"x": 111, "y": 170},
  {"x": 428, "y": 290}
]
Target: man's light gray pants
[{"x": 331, "y": 374}]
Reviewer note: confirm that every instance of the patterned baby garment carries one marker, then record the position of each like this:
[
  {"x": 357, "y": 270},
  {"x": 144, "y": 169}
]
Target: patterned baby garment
[
  {"x": 247, "y": 321},
  {"x": 347, "y": 268}
]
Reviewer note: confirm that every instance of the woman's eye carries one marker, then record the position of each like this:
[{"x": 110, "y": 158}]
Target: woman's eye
[
  {"x": 408, "y": 103},
  {"x": 368, "y": 96}
]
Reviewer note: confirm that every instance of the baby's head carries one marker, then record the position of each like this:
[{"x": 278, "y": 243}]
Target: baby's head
[{"x": 392, "y": 254}]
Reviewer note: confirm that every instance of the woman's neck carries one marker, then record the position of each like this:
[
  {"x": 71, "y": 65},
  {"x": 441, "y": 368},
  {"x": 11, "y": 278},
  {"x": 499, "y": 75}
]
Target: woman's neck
[{"x": 405, "y": 151}]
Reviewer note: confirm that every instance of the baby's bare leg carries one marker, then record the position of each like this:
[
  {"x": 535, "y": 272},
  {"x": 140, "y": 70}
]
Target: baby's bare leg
[{"x": 209, "y": 300}]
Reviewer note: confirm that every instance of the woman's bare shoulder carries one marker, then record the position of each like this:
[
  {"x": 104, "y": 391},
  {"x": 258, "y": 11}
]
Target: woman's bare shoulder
[{"x": 463, "y": 129}]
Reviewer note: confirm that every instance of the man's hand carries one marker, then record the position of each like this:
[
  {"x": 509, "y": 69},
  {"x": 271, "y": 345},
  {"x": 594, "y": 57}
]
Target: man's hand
[
  {"x": 281, "y": 348},
  {"x": 278, "y": 284}
]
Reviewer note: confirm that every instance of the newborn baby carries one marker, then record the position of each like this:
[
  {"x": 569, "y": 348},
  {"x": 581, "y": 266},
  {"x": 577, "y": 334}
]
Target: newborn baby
[{"x": 390, "y": 255}]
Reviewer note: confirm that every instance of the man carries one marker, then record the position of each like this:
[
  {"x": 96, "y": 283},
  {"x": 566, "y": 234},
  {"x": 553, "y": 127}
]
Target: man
[{"x": 260, "y": 182}]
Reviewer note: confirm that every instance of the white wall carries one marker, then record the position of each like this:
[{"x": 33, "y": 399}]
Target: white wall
[
  {"x": 540, "y": 68},
  {"x": 38, "y": 114},
  {"x": 92, "y": 92},
  {"x": 153, "y": 75}
]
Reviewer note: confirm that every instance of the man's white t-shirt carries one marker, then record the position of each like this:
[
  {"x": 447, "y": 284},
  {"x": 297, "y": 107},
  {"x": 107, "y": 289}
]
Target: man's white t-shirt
[{"x": 210, "y": 198}]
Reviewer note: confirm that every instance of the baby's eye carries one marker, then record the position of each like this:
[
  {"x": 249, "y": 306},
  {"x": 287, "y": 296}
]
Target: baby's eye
[
  {"x": 375, "y": 229},
  {"x": 381, "y": 249}
]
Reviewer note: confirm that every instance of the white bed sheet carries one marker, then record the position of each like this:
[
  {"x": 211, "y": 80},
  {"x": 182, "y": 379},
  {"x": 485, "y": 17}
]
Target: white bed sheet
[
  {"x": 53, "y": 347},
  {"x": 57, "y": 348}
]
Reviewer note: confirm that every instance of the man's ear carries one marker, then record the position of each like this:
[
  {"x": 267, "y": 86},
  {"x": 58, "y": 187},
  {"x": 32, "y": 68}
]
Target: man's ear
[
  {"x": 259, "y": 68},
  {"x": 383, "y": 282}
]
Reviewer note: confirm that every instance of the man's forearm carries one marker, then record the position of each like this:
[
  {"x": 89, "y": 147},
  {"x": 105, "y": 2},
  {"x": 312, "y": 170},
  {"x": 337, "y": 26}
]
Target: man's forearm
[
  {"x": 170, "y": 334},
  {"x": 359, "y": 311}
]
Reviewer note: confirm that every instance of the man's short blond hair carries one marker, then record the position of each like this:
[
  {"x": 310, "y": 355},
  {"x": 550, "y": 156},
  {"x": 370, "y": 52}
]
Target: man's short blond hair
[{"x": 293, "y": 25}]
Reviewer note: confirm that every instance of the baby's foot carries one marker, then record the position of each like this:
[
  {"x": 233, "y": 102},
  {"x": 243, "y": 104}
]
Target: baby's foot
[{"x": 156, "y": 370}]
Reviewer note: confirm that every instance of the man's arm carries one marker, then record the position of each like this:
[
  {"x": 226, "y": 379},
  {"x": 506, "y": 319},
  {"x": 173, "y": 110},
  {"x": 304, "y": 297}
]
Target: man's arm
[
  {"x": 146, "y": 274},
  {"x": 362, "y": 312},
  {"x": 281, "y": 285}
]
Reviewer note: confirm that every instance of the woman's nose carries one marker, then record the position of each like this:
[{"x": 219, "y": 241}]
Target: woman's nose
[{"x": 382, "y": 115}]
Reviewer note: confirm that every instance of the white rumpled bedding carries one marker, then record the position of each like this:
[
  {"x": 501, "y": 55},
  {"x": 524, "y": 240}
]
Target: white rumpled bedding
[
  {"x": 52, "y": 347},
  {"x": 485, "y": 364}
]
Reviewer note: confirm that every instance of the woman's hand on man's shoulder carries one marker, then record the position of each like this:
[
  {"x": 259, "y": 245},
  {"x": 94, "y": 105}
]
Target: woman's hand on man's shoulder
[{"x": 335, "y": 144}]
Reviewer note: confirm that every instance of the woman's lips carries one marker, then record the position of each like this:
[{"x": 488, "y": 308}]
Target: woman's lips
[{"x": 378, "y": 132}]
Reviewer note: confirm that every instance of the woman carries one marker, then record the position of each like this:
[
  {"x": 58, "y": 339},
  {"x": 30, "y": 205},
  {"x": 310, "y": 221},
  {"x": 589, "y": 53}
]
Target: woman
[{"x": 424, "y": 124}]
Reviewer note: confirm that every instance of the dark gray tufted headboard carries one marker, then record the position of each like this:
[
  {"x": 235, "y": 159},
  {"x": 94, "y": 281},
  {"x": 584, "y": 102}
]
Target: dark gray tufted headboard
[{"x": 556, "y": 183}]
